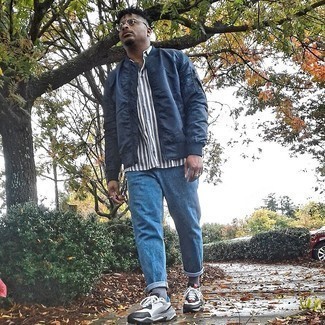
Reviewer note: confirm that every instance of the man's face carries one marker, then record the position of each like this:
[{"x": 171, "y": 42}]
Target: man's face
[{"x": 133, "y": 29}]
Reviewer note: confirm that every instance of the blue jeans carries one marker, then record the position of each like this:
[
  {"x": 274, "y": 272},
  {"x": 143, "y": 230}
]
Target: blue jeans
[{"x": 146, "y": 192}]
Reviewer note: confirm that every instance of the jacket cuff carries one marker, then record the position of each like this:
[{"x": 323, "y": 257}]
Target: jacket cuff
[
  {"x": 112, "y": 175},
  {"x": 195, "y": 149}
]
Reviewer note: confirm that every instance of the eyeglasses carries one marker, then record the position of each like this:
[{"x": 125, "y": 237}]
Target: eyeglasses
[{"x": 129, "y": 22}]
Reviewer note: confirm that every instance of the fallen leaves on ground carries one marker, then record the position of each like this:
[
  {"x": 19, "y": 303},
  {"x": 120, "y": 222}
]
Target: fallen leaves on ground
[
  {"x": 117, "y": 292},
  {"x": 305, "y": 318},
  {"x": 114, "y": 293}
]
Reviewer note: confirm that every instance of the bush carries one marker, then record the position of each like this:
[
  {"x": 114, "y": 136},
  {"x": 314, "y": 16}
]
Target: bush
[
  {"x": 228, "y": 250},
  {"x": 125, "y": 257},
  {"x": 276, "y": 245},
  {"x": 211, "y": 232},
  {"x": 50, "y": 257},
  {"x": 173, "y": 255},
  {"x": 280, "y": 244}
]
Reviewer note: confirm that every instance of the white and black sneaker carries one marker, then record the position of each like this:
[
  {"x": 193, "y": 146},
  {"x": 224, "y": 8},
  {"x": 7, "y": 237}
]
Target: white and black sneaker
[
  {"x": 193, "y": 299},
  {"x": 153, "y": 309}
]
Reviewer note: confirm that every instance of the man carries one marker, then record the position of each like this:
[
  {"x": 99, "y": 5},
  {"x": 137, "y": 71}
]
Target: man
[{"x": 155, "y": 120}]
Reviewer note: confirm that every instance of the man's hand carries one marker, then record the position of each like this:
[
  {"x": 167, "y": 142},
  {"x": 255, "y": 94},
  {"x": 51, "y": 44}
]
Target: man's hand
[
  {"x": 114, "y": 192},
  {"x": 193, "y": 167}
]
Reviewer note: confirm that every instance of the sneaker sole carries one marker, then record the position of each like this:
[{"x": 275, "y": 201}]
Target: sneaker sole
[
  {"x": 192, "y": 309},
  {"x": 171, "y": 314}
]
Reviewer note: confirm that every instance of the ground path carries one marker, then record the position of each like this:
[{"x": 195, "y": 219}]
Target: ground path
[{"x": 249, "y": 294}]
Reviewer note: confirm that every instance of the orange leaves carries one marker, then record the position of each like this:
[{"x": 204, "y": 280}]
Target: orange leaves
[
  {"x": 313, "y": 65},
  {"x": 285, "y": 111},
  {"x": 311, "y": 61},
  {"x": 265, "y": 95},
  {"x": 255, "y": 78},
  {"x": 239, "y": 50}
]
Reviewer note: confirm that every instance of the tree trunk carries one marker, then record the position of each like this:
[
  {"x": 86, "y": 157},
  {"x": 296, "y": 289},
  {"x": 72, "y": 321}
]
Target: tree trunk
[{"x": 20, "y": 171}]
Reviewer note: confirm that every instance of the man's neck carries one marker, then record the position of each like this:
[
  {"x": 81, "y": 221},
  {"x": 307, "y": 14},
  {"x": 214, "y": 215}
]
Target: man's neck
[{"x": 136, "y": 53}]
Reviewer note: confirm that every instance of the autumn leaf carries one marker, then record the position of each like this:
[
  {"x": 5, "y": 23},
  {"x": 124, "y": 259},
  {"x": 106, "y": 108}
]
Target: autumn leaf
[
  {"x": 310, "y": 59},
  {"x": 265, "y": 95},
  {"x": 247, "y": 297}
]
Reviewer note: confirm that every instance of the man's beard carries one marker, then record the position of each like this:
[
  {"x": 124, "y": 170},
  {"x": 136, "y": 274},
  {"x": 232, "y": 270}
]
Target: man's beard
[{"x": 129, "y": 42}]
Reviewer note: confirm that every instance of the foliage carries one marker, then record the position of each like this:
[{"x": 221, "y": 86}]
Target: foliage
[
  {"x": 275, "y": 245},
  {"x": 50, "y": 257},
  {"x": 211, "y": 232},
  {"x": 213, "y": 161},
  {"x": 70, "y": 134},
  {"x": 278, "y": 68},
  {"x": 237, "y": 228},
  {"x": 311, "y": 216},
  {"x": 278, "y": 245},
  {"x": 69, "y": 142},
  {"x": 309, "y": 138},
  {"x": 283, "y": 205},
  {"x": 287, "y": 207},
  {"x": 227, "y": 250},
  {"x": 125, "y": 256},
  {"x": 2, "y": 192},
  {"x": 270, "y": 203},
  {"x": 264, "y": 220},
  {"x": 173, "y": 256},
  {"x": 309, "y": 303}
]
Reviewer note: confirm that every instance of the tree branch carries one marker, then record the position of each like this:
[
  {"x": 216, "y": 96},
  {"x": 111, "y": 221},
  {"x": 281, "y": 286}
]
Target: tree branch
[
  {"x": 106, "y": 51},
  {"x": 55, "y": 14},
  {"x": 101, "y": 53},
  {"x": 40, "y": 10}
]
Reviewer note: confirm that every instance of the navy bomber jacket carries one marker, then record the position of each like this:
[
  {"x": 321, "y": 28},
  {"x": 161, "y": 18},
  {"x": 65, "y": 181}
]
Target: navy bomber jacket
[{"x": 179, "y": 101}]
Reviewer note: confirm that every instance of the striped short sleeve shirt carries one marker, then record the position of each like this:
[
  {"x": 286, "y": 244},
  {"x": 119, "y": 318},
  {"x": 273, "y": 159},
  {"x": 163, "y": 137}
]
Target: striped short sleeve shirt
[{"x": 149, "y": 151}]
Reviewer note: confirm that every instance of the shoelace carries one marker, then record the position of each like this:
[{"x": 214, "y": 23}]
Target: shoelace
[
  {"x": 150, "y": 300},
  {"x": 192, "y": 294}
]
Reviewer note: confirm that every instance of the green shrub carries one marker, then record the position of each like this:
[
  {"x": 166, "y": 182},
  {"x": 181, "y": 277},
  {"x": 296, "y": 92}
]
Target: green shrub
[
  {"x": 50, "y": 257},
  {"x": 282, "y": 244},
  {"x": 276, "y": 245},
  {"x": 173, "y": 255},
  {"x": 228, "y": 250},
  {"x": 211, "y": 232},
  {"x": 125, "y": 256}
]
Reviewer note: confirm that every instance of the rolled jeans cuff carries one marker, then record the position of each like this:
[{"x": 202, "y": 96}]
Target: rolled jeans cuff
[
  {"x": 159, "y": 284},
  {"x": 192, "y": 275}
]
